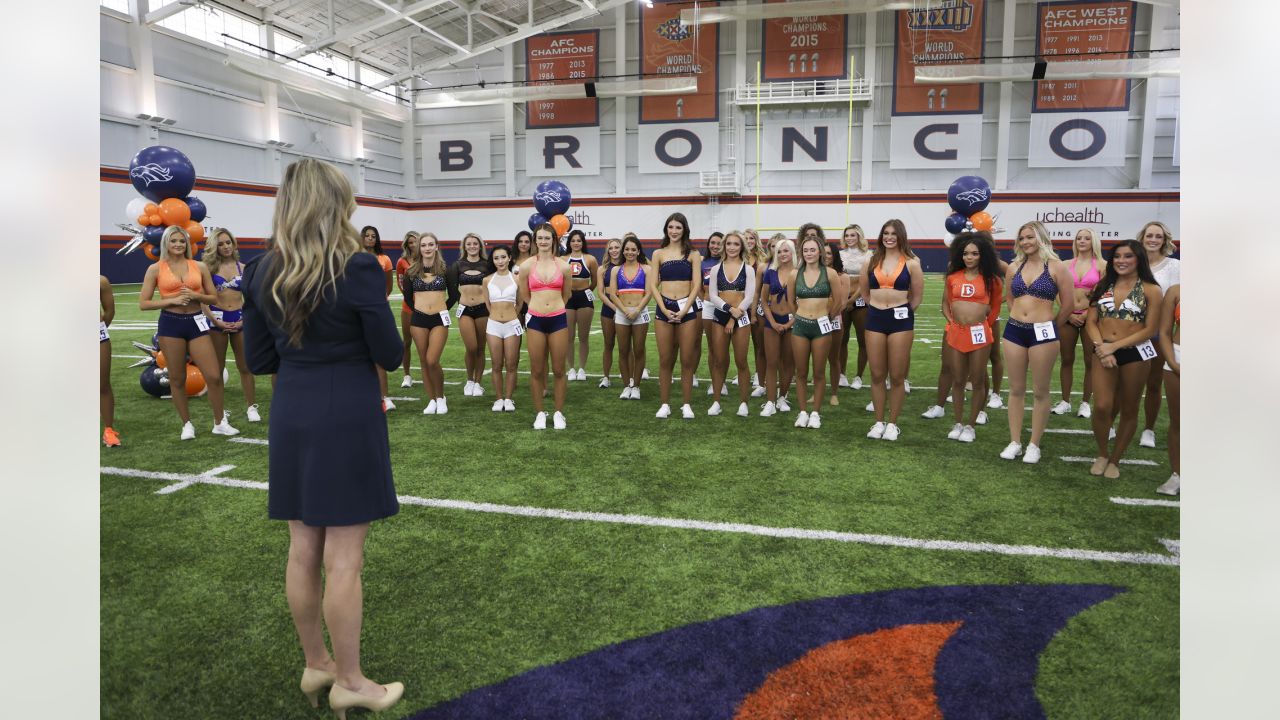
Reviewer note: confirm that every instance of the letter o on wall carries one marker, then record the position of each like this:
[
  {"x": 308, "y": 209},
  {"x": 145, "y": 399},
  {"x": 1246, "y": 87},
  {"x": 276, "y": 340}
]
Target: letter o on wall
[
  {"x": 1096, "y": 132},
  {"x": 660, "y": 147}
]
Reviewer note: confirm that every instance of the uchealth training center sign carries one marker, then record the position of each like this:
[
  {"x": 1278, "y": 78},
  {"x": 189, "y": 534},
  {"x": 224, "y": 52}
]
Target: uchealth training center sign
[
  {"x": 936, "y": 126},
  {"x": 679, "y": 133},
  {"x": 562, "y": 136},
  {"x": 1081, "y": 123},
  {"x": 808, "y": 47}
]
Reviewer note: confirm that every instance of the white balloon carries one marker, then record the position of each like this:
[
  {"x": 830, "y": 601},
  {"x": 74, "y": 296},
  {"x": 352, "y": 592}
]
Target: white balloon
[
  {"x": 135, "y": 208},
  {"x": 948, "y": 240}
]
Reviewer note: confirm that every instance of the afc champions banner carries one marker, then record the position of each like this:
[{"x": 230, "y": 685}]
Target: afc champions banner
[
  {"x": 811, "y": 47},
  {"x": 679, "y": 133},
  {"x": 1081, "y": 123},
  {"x": 936, "y": 125},
  {"x": 562, "y": 137}
]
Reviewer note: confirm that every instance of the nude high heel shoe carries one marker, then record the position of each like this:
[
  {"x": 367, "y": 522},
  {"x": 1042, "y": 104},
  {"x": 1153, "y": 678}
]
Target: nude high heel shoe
[
  {"x": 313, "y": 681},
  {"x": 342, "y": 699}
]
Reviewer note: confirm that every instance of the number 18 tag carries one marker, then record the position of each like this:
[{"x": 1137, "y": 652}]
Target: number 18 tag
[
  {"x": 103, "y": 336},
  {"x": 1045, "y": 330},
  {"x": 744, "y": 320},
  {"x": 824, "y": 324},
  {"x": 978, "y": 333},
  {"x": 1146, "y": 350}
]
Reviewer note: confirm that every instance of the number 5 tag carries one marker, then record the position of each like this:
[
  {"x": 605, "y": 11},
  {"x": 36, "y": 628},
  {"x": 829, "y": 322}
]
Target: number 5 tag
[
  {"x": 978, "y": 333},
  {"x": 444, "y": 317},
  {"x": 1146, "y": 350},
  {"x": 901, "y": 313},
  {"x": 1045, "y": 330},
  {"x": 103, "y": 336},
  {"x": 824, "y": 324},
  {"x": 202, "y": 322}
]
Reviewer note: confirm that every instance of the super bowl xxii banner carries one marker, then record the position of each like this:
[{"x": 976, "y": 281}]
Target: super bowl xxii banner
[
  {"x": 573, "y": 146},
  {"x": 679, "y": 133},
  {"x": 810, "y": 47},
  {"x": 1081, "y": 123}
]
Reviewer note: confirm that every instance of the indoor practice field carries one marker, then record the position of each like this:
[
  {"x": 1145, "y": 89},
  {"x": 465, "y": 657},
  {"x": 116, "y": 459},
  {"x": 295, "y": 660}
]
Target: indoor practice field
[{"x": 623, "y": 527}]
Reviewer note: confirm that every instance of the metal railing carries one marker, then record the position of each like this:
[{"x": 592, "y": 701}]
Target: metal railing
[
  {"x": 715, "y": 182},
  {"x": 805, "y": 91}
]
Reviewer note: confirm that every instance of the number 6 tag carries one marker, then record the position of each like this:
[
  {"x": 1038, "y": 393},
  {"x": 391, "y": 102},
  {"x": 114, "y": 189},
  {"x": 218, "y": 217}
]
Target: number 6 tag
[
  {"x": 1146, "y": 350},
  {"x": 1045, "y": 330},
  {"x": 901, "y": 313},
  {"x": 444, "y": 317},
  {"x": 978, "y": 333},
  {"x": 824, "y": 324}
]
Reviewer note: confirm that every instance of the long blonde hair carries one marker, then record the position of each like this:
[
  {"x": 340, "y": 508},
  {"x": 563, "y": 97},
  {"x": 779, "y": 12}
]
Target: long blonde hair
[
  {"x": 170, "y": 232},
  {"x": 314, "y": 239},
  {"x": 862, "y": 237},
  {"x": 210, "y": 256},
  {"x": 778, "y": 244},
  {"x": 1169, "y": 247},
  {"x": 1046, "y": 245},
  {"x": 437, "y": 268},
  {"x": 1095, "y": 244}
]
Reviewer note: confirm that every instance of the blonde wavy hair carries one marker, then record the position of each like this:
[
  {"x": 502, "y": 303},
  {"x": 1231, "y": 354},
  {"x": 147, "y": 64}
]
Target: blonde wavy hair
[
  {"x": 314, "y": 239},
  {"x": 1095, "y": 244},
  {"x": 170, "y": 232},
  {"x": 862, "y": 237},
  {"x": 462, "y": 246},
  {"x": 781, "y": 241},
  {"x": 1046, "y": 245},
  {"x": 210, "y": 256},
  {"x": 416, "y": 268},
  {"x": 1169, "y": 247},
  {"x": 409, "y": 246}
]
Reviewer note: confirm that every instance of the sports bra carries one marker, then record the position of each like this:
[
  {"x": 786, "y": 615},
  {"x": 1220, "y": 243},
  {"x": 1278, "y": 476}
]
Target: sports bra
[
  {"x": 436, "y": 284},
  {"x": 901, "y": 280},
  {"x": 222, "y": 283},
  {"x": 708, "y": 266},
  {"x": 854, "y": 259},
  {"x": 1042, "y": 287},
  {"x": 505, "y": 292},
  {"x": 579, "y": 268},
  {"x": 169, "y": 285},
  {"x": 471, "y": 272},
  {"x": 1090, "y": 279},
  {"x": 1133, "y": 308},
  {"x": 776, "y": 288},
  {"x": 820, "y": 289},
  {"x": 962, "y": 288},
  {"x": 675, "y": 270},
  {"x": 739, "y": 283},
  {"x": 631, "y": 285},
  {"x": 606, "y": 272},
  {"x": 536, "y": 283}
]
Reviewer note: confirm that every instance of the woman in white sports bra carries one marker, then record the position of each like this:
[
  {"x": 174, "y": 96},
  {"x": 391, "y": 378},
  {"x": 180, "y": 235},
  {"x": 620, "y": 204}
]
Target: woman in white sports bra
[{"x": 503, "y": 330}]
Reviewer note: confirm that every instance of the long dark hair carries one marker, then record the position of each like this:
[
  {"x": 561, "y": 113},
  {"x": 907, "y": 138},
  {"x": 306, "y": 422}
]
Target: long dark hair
[
  {"x": 685, "y": 246},
  {"x": 988, "y": 262},
  {"x": 716, "y": 234},
  {"x": 377, "y": 238},
  {"x": 904, "y": 247},
  {"x": 1108, "y": 281},
  {"x": 568, "y": 242},
  {"x": 640, "y": 258}
]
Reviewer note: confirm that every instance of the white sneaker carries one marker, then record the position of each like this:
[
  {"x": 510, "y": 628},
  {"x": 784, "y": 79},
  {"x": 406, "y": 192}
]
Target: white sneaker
[
  {"x": 1011, "y": 451},
  {"x": 714, "y": 409},
  {"x": 664, "y": 411},
  {"x": 466, "y": 389},
  {"x": 644, "y": 374},
  {"x": 711, "y": 388},
  {"x": 582, "y": 374},
  {"x": 815, "y": 421},
  {"x": 871, "y": 406},
  {"x": 1032, "y": 455},
  {"x": 477, "y": 390},
  {"x": 604, "y": 382},
  {"x": 387, "y": 406},
  {"x": 635, "y": 392},
  {"x": 967, "y": 435},
  {"x": 982, "y": 417},
  {"x": 407, "y": 382},
  {"x": 252, "y": 413},
  {"x": 188, "y": 431},
  {"x": 695, "y": 381},
  {"x": 994, "y": 401},
  {"x": 430, "y": 409},
  {"x": 1111, "y": 434},
  {"x": 768, "y": 409},
  {"x": 891, "y": 432},
  {"x": 1084, "y": 411},
  {"x": 906, "y": 386},
  {"x": 857, "y": 382},
  {"x": 224, "y": 428},
  {"x": 887, "y": 384},
  {"x": 1062, "y": 408},
  {"x": 802, "y": 420},
  {"x": 626, "y": 393},
  {"x": 877, "y": 431},
  {"x": 557, "y": 421},
  {"x": 1170, "y": 487},
  {"x": 844, "y": 380},
  {"x": 934, "y": 412},
  {"x": 955, "y": 432},
  {"x": 540, "y": 421},
  {"x": 1148, "y": 438},
  {"x": 743, "y": 410},
  {"x": 497, "y": 405},
  {"x": 686, "y": 412},
  {"x": 442, "y": 406},
  {"x": 758, "y": 391},
  {"x": 508, "y": 405},
  {"x": 735, "y": 381},
  {"x": 783, "y": 405}
]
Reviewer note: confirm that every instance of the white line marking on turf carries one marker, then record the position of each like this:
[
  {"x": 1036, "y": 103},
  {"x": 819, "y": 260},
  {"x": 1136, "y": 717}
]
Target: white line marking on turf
[
  {"x": 406, "y": 398},
  {"x": 1173, "y": 546},
  {"x": 1076, "y": 459},
  {"x": 187, "y": 483},
  {"x": 248, "y": 441},
  {"x": 1067, "y": 431},
  {"x": 1145, "y": 501},
  {"x": 1137, "y": 558}
]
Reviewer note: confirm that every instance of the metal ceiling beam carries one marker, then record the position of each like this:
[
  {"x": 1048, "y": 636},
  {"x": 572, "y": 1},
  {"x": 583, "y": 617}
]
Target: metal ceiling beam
[
  {"x": 724, "y": 13},
  {"x": 170, "y": 10},
  {"x": 351, "y": 31}
]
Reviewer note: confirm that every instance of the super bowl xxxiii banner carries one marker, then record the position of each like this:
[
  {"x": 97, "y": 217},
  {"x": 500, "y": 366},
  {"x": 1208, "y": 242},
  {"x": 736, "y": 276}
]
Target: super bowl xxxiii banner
[{"x": 679, "y": 133}]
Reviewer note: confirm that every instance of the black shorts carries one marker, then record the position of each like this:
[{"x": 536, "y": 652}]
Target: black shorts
[
  {"x": 881, "y": 320},
  {"x": 475, "y": 311},
  {"x": 578, "y": 300},
  {"x": 180, "y": 325},
  {"x": 1124, "y": 356},
  {"x": 423, "y": 320},
  {"x": 547, "y": 324}
]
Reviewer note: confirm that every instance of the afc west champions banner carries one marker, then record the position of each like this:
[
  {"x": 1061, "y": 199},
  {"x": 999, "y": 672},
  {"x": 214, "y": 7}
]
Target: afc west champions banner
[
  {"x": 679, "y": 133},
  {"x": 1081, "y": 123},
  {"x": 574, "y": 148},
  {"x": 936, "y": 126},
  {"x": 805, "y": 47}
]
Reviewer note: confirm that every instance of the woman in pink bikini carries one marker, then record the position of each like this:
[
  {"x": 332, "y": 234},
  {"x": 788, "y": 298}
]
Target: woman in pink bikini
[
  {"x": 545, "y": 284},
  {"x": 1087, "y": 267}
]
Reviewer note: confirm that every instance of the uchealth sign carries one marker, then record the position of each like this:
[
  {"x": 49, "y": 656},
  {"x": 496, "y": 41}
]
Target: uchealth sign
[
  {"x": 455, "y": 156},
  {"x": 562, "y": 152},
  {"x": 672, "y": 148}
]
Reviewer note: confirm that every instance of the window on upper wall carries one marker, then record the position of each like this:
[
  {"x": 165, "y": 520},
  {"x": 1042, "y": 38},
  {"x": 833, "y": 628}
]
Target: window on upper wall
[
  {"x": 211, "y": 24},
  {"x": 316, "y": 63},
  {"x": 371, "y": 77},
  {"x": 117, "y": 5}
]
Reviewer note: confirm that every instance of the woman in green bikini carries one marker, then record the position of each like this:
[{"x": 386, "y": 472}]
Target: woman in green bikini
[{"x": 816, "y": 303}]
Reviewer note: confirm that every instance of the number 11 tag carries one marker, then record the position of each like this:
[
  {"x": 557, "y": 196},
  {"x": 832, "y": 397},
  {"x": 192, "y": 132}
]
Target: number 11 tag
[
  {"x": 519, "y": 329},
  {"x": 978, "y": 333},
  {"x": 202, "y": 322},
  {"x": 824, "y": 324}
]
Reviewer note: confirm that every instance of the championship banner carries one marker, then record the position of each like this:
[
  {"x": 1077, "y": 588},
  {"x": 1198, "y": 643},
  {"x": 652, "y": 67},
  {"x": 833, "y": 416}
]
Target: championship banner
[
  {"x": 805, "y": 144},
  {"x": 669, "y": 48},
  {"x": 937, "y": 126},
  {"x": 809, "y": 47},
  {"x": 555, "y": 59},
  {"x": 1081, "y": 123},
  {"x": 552, "y": 153},
  {"x": 671, "y": 148},
  {"x": 457, "y": 155}
]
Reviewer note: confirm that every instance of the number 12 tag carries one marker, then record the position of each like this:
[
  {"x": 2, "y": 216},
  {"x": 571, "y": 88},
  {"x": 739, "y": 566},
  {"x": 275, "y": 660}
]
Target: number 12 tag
[
  {"x": 1045, "y": 330},
  {"x": 1146, "y": 350},
  {"x": 979, "y": 334},
  {"x": 824, "y": 325}
]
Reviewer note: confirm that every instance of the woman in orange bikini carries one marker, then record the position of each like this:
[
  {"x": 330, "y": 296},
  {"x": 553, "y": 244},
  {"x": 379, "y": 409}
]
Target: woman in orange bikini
[
  {"x": 892, "y": 297},
  {"x": 970, "y": 303},
  {"x": 408, "y": 251}
]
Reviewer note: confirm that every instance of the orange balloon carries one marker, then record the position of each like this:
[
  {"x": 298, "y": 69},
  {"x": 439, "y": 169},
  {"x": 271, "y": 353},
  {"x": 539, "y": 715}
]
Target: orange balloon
[
  {"x": 195, "y": 381},
  {"x": 143, "y": 220},
  {"x": 160, "y": 361},
  {"x": 982, "y": 220},
  {"x": 174, "y": 212},
  {"x": 151, "y": 209},
  {"x": 151, "y": 255},
  {"x": 196, "y": 231},
  {"x": 561, "y": 224},
  {"x": 154, "y": 219}
]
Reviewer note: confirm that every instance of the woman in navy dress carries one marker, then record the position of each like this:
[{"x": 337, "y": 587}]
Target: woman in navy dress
[{"x": 316, "y": 315}]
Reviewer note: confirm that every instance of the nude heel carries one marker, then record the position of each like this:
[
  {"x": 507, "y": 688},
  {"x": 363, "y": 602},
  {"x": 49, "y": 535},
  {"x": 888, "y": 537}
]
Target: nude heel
[
  {"x": 313, "y": 681},
  {"x": 342, "y": 699}
]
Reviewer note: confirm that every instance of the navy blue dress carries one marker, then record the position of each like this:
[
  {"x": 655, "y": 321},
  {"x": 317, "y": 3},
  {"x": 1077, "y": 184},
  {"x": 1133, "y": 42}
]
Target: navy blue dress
[{"x": 330, "y": 461}]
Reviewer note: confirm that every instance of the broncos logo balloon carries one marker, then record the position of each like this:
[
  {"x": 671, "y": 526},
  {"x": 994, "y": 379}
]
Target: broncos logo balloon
[
  {"x": 552, "y": 198},
  {"x": 969, "y": 194},
  {"x": 160, "y": 172}
]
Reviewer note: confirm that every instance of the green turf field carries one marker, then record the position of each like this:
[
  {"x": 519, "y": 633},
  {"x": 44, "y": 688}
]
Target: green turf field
[{"x": 195, "y": 624}]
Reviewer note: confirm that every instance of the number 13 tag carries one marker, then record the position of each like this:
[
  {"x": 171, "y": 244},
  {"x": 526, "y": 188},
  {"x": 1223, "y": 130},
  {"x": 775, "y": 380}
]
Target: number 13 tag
[
  {"x": 1045, "y": 330},
  {"x": 978, "y": 333},
  {"x": 1146, "y": 350},
  {"x": 824, "y": 324}
]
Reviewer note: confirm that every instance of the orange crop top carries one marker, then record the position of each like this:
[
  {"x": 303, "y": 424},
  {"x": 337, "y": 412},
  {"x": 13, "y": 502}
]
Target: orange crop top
[
  {"x": 169, "y": 285},
  {"x": 536, "y": 283},
  {"x": 961, "y": 288}
]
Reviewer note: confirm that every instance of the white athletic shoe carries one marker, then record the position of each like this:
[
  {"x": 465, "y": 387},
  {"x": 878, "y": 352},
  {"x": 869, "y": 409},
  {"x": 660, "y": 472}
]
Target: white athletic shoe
[
  {"x": 1062, "y": 408},
  {"x": 877, "y": 431},
  {"x": 1032, "y": 455},
  {"x": 1148, "y": 438},
  {"x": 644, "y": 374},
  {"x": 743, "y": 410},
  {"x": 844, "y": 380},
  {"x": 871, "y": 406},
  {"x": 430, "y": 409},
  {"x": 664, "y": 411},
  {"x": 604, "y": 382},
  {"x": 387, "y": 406},
  {"x": 477, "y": 390},
  {"x": 252, "y": 413},
  {"x": 955, "y": 432},
  {"x": 557, "y": 421},
  {"x": 768, "y": 409},
  {"x": 967, "y": 435},
  {"x": 891, "y": 432},
  {"x": 695, "y": 381},
  {"x": 735, "y": 381},
  {"x": 442, "y": 406},
  {"x": 224, "y": 428},
  {"x": 466, "y": 389},
  {"x": 994, "y": 401},
  {"x": 714, "y": 409},
  {"x": 783, "y": 405},
  {"x": 508, "y": 405},
  {"x": 1011, "y": 451},
  {"x": 1170, "y": 487},
  {"x": 1111, "y": 434},
  {"x": 815, "y": 421},
  {"x": 497, "y": 405},
  {"x": 982, "y": 417},
  {"x": 626, "y": 393},
  {"x": 407, "y": 382},
  {"x": 635, "y": 392},
  {"x": 1084, "y": 411},
  {"x": 934, "y": 412},
  {"x": 757, "y": 391},
  {"x": 540, "y": 421},
  {"x": 188, "y": 431},
  {"x": 802, "y": 420},
  {"x": 857, "y": 382},
  {"x": 686, "y": 412},
  {"x": 906, "y": 386},
  {"x": 887, "y": 384},
  {"x": 755, "y": 380},
  {"x": 582, "y": 374},
  {"x": 711, "y": 388}
]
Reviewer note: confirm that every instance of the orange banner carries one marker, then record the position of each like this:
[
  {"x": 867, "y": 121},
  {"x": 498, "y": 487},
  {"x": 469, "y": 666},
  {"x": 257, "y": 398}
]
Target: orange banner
[
  {"x": 949, "y": 33},
  {"x": 806, "y": 47},
  {"x": 1093, "y": 31},
  {"x": 669, "y": 48},
  {"x": 555, "y": 59}
]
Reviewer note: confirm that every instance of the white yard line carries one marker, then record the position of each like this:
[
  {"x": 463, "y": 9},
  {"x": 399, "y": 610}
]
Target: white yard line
[
  {"x": 1151, "y": 502},
  {"x": 1127, "y": 461},
  {"x": 248, "y": 441}
]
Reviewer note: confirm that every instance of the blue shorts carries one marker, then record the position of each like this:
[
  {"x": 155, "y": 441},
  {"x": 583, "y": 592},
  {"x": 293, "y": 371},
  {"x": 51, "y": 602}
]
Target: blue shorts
[
  {"x": 881, "y": 320},
  {"x": 1024, "y": 334},
  {"x": 578, "y": 300},
  {"x": 674, "y": 306},
  {"x": 607, "y": 313},
  {"x": 547, "y": 324},
  {"x": 227, "y": 316},
  {"x": 179, "y": 325}
]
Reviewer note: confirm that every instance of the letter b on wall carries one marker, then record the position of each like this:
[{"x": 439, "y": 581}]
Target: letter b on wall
[{"x": 455, "y": 156}]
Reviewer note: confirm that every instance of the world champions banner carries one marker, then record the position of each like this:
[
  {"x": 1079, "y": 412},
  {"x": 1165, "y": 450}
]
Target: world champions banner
[
  {"x": 937, "y": 125},
  {"x": 809, "y": 47},
  {"x": 1081, "y": 123},
  {"x": 669, "y": 48}
]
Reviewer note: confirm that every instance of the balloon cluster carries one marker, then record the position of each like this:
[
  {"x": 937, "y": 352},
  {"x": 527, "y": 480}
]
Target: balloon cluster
[
  {"x": 551, "y": 201},
  {"x": 164, "y": 176},
  {"x": 969, "y": 196},
  {"x": 155, "y": 375}
]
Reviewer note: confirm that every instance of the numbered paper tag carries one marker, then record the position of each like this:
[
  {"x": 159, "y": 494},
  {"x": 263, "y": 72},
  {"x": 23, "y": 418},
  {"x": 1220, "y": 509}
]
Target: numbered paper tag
[
  {"x": 1146, "y": 350},
  {"x": 1045, "y": 330},
  {"x": 457, "y": 313},
  {"x": 444, "y": 317},
  {"x": 824, "y": 325},
  {"x": 528, "y": 317},
  {"x": 644, "y": 316},
  {"x": 836, "y": 324},
  {"x": 519, "y": 329},
  {"x": 202, "y": 322},
  {"x": 217, "y": 314},
  {"x": 901, "y": 313},
  {"x": 697, "y": 304},
  {"x": 859, "y": 302},
  {"x": 103, "y": 336},
  {"x": 979, "y": 334},
  {"x": 760, "y": 310},
  {"x": 744, "y": 320},
  {"x": 591, "y": 297}
]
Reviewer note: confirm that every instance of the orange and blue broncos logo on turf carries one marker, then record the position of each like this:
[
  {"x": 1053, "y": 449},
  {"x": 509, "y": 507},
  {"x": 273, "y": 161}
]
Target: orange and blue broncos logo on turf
[{"x": 954, "y": 652}]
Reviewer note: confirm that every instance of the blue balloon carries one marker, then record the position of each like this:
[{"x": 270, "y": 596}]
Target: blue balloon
[
  {"x": 153, "y": 234},
  {"x": 955, "y": 223},
  {"x": 159, "y": 172},
  {"x": 969, "y": 194},
  {"x": 552, "y": 198},
  {"x": 535, "y": 220},
  {"x": 198, "y": 210},
  {"x": 154, "y": 381}
]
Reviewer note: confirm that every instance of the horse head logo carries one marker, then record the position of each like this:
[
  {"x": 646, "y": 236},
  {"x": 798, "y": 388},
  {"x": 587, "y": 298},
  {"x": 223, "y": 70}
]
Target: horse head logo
[
  {"x": 547, "y": 196},
  {"x": 151, "y": 172},
  {"x": 974, "y": 196}
]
